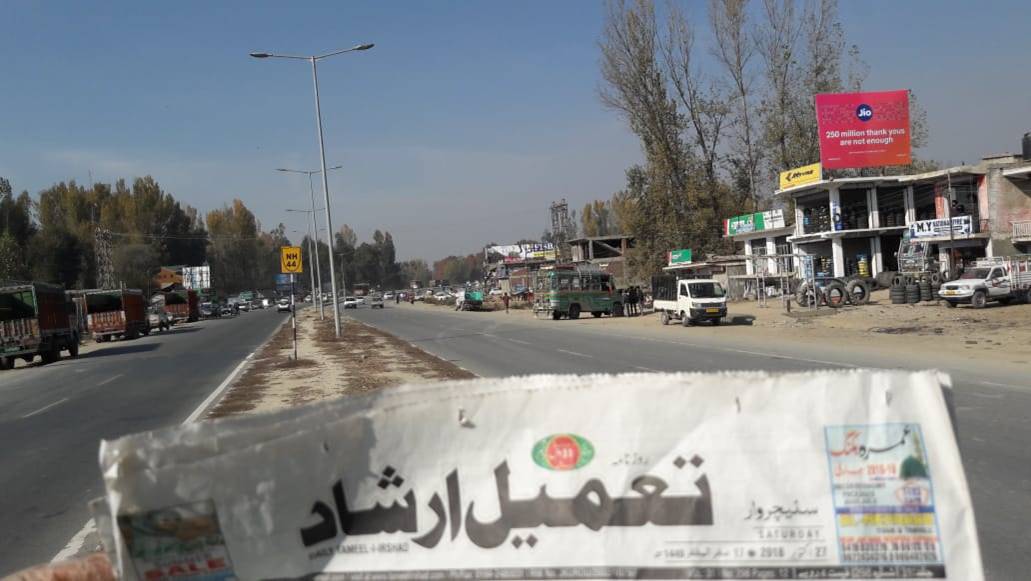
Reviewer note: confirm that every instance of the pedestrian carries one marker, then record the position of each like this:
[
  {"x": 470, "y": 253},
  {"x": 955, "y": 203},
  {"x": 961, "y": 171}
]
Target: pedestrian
[
  {"x": 505, "y": 299},
  {"x": 397, "y": 298},
  {"x": 632, "y": 300}
]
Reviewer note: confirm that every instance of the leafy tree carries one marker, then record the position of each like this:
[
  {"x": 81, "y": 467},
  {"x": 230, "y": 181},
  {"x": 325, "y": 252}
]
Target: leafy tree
[{"x": 135, "y": 265}]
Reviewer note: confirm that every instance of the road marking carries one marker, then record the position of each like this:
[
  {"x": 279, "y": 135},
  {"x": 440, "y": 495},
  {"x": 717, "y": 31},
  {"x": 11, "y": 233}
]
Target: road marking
[
  {"x": 521, "y": 342},
  {"x": 575, "y": 353},
  {"x": 993, "y": 384},
  {"x": 45, "y": 408},
  {"x": 649, "y": 369},
  {"x": 110, "y": 379},
  {"x": 986, "y": 395},
  {"x": 77, "y": 542}
]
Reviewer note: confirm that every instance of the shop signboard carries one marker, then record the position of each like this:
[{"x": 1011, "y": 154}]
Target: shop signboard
[
  {"x": 197, "y": 277},
  {"x": 863, "y": 129},
  {"x": 961, "y": 226},
  {"x": 756, "y": 222},
  {"x": 801, "y": 176},
  {"x": 682, "y": 256}
]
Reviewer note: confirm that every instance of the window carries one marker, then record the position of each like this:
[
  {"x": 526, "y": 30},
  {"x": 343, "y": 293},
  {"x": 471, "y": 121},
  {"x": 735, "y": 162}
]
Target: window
[
  {"x": 706, "y": 290},
  {"x": 576, "y": 282},
  {"x": 564, "y": 283},
  {"x": 683, "y": 290}
]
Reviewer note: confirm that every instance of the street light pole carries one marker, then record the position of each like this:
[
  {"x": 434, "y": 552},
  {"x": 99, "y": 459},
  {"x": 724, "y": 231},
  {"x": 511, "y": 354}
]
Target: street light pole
[
  {"x": 322, "y": 155},
  {"x": 311, "y": 250}
]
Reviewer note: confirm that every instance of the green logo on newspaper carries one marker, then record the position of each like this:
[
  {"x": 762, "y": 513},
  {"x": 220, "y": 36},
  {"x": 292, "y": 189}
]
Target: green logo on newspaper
[{"x": 563, "y": 452}]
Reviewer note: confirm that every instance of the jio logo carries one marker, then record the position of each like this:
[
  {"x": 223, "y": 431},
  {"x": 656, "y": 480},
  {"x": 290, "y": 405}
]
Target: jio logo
[{"x": 864, "y": 112}]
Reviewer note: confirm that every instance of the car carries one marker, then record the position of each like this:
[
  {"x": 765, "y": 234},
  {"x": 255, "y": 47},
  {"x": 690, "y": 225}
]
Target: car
[
  {"x": 496, "y": 292},
  {"x": 158, "y": 319},
  {"x": 283, "y": 306},
  {"x": 351, "y": 302},
  {"x": 375, "y": 301},
  {"x": 442, "y": 296},
  {"x": 388, "y": 296},
  {"x": 227, "y": 310},
  {"x": 209, "y": 310},
  {"x": 307, "y": 298},
  {"x": 244, "y": 306}
]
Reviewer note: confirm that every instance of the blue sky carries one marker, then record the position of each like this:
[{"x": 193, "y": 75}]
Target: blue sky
[{"x": 459, "y": 128}]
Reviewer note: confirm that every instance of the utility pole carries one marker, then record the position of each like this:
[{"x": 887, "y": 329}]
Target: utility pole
[{"x": 561, "y": 227}]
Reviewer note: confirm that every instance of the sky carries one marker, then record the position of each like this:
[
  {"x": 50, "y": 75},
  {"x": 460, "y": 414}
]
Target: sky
[{"x": 459, "y": 128}]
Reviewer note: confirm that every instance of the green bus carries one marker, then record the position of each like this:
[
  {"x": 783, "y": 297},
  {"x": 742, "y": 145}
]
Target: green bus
[{"x": 567, "y": 293}]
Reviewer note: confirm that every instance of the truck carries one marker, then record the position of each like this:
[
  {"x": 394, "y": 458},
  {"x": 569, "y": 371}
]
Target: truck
[
  {"x": 36, "y": 319},
  {"x": 116, "y": 313},
  {"x": 688, "y": 300},
  {"x": 469, "y": 300},
  {"x": 181, "y": 305},
  {"x": 1001, "y": 279}
]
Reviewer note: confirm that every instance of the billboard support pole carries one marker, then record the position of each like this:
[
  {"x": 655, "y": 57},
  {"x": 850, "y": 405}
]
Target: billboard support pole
[{"x": 293, "y": 314}]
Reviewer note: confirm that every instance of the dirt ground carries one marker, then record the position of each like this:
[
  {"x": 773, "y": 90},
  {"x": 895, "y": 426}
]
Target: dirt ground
[
  {"x": 364, "y": 359},
  {"x": 997, "y": 332}
]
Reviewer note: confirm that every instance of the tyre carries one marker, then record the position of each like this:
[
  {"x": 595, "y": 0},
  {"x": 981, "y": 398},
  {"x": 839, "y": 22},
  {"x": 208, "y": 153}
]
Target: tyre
[
  {"x": 574, "y": 311},
  {"x": 898, "y": 280},
  {"x": 50, "y": 356},
  {"x": 936, "y": 278},
  {"x": 6, "y": 363},
  {"x": 555, "y": 315},
  {"x": 596, "y": 314},
  {"x": 145, "y": 331},
  {"x": 912, "y": 294},
  {"x": 715, "y": 322},
  {"x": 685, "y": 320},
  {"x": 950, "y": 304},
  {"x": 73, "y": 347},
  {"x": 834, "y": 295},
  {"x": 979, "y": 300},
  {"x": 664, "y": 318},
  {"x": 858, "y": 292}
]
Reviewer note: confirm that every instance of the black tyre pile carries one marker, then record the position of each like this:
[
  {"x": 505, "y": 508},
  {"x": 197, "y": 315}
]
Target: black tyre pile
[{"x": 910, "y": 290}]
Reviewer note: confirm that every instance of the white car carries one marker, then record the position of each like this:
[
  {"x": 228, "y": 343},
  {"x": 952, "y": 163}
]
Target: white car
[
  {"x": 351, "y": 302},
  {"x": 283, "y": 306},
  {"x": 388, "y": 296},
  {"x": 496, "y": 292},
  {"x": 375, "y": 301}
]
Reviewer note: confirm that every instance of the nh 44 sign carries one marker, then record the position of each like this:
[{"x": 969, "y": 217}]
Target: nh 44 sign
[
  {"x": 290, "y": 259},
  {"x": 863, "y": 129}
]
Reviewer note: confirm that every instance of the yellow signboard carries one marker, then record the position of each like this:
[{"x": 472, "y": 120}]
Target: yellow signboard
[
  {"x": 290, "y": 259},
  {"x": 801, "y": 176}
]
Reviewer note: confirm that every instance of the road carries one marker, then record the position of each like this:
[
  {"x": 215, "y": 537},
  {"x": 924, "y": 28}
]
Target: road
[
  {"x": 993, "y": 403},
  {"x": 53, "y": 417}
]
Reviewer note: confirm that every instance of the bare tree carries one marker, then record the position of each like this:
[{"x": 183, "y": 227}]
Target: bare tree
[
  {"x": 734, "y": 49},
  {"x": 777, "y": 42}
]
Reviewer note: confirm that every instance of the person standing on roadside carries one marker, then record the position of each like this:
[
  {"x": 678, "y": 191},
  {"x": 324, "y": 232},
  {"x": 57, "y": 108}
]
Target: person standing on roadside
[
  {"x": 632, "y": 300},
  {"x": 505, "y": 299}
]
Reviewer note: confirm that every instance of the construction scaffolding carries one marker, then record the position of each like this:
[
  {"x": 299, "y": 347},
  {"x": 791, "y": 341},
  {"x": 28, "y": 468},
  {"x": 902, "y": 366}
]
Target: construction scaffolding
[{"x": 781, "y": 275}]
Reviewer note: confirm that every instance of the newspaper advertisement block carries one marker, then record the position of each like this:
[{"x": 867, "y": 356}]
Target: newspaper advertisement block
[{"x": 825, "y": 475}]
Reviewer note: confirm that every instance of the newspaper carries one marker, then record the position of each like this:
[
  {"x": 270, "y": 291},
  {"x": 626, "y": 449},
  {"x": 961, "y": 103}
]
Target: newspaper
[{"x": 823, "y": 475}]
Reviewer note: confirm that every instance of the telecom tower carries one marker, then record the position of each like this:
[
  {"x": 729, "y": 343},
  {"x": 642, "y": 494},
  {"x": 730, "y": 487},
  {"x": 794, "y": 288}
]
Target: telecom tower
[
  {"x": 561, "y": 229},
  {"x": 105, "y": 266}
]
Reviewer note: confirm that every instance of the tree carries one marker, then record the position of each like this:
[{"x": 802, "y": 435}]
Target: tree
[
  {"x": 415, "y": 270},
  {"x": 233, "y": 249},
  {"x": 135, "y": 265},
  {"x": 12, "y": 265}
]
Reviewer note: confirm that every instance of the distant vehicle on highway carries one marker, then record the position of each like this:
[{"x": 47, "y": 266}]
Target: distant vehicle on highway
[
  {"x": 283, "y": 306},
  {"x": 207, "y": 310},
  {"x": 388, "y": 296},
  {"x": 496, "y": 292},
  {"x": 228, "y": 310},
  {"x": 351, "y": 302},
  {"x": 244, "y": 306},
  {"x": 375, "y": 301},
  {"x": 36, "y": 319},
  {"x": 158, "y": 319}
]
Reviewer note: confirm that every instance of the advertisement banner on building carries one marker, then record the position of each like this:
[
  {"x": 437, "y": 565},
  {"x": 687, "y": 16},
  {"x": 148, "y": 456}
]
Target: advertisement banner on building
[
  {"x": 757, "y": 222},
  {"x": 801, "y": 176},
  {"x": 850, "y": 474},
  {"x": 682, "y": 256},
  {"x": 863, "y": 129},
  {"x": 197, "y": 277},
  {"x": 521, "y": 252},
  {"x": 961, "y": 226}
]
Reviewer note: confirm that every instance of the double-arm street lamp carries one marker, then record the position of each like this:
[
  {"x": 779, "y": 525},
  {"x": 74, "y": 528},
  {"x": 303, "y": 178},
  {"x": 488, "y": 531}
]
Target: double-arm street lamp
[
  {"x": 311, "y": 192},
  {"x": 322, "y": 154}
]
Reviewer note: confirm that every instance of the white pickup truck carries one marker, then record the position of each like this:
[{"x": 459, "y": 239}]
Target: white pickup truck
[
  {"x": 1005, "y": 280},
  {"x": 689, "y": 300}
]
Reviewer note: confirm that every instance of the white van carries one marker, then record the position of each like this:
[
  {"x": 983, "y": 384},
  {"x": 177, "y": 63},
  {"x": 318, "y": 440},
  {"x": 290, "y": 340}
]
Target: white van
[{"x": 689, "y": 300}]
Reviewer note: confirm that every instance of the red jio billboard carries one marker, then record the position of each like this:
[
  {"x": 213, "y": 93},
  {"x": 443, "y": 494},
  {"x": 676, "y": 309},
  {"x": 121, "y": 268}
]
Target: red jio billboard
[{"x": 863, "y": 129}]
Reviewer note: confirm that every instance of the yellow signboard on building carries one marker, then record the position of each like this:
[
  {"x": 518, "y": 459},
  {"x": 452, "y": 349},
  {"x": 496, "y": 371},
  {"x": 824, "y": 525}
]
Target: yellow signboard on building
[
  {"x": 801, "y": 176},
  {"x": 290, "y": 259}
]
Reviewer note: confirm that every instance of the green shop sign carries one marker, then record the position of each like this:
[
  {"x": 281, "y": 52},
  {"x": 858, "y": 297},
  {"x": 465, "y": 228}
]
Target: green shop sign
[{"x": 682, "y": 256}]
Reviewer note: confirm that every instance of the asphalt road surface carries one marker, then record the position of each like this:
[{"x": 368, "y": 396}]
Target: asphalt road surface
[
  {"x": 993, "y": 402},
  {"x": 53, "y": 417}
]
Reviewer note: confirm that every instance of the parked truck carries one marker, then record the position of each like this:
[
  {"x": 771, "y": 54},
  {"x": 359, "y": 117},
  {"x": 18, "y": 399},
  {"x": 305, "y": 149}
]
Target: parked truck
[
  {"x": 688, "y": 300},
  {"x": 36, "y": 319},
  {"x": 116, "y": 313},
  {"x": 1003, "y": 279},
  {"x": 181, "y": 305}
]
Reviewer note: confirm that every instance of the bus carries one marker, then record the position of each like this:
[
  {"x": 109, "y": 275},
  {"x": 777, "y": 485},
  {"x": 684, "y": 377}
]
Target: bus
[{"x": 567, "y": 293}]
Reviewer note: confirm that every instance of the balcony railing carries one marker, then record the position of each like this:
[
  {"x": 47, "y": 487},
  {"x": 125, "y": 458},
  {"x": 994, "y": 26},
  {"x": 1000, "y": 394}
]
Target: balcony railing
[{"x": 1022, "y": 231}]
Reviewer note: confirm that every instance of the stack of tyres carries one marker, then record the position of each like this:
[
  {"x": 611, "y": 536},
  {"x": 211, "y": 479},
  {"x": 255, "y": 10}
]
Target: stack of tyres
[
  {"x": 925, "y": 290},
  {"x": 897, "y": 294},
  {"x": 912, "y": 294}
]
